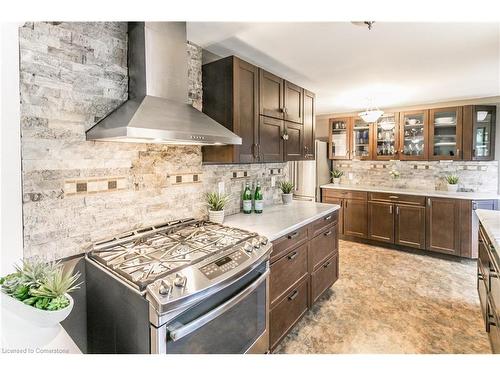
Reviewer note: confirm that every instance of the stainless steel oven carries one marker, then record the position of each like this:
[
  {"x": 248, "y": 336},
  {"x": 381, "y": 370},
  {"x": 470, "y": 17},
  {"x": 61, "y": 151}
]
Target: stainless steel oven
[{"x": 233, "y": 320}]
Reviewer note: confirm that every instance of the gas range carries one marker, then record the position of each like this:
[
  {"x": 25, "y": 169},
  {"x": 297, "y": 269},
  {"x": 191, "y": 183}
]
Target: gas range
[{"x": 173, "y": 262}]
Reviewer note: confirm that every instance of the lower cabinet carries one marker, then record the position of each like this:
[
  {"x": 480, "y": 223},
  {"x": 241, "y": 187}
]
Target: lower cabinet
[
  {"x": 304, "y": 264},
  {"x": 443, "y": 226},
  {"x": 355, "y": 218},
  {"x": 410, "y": 226},
  {"x": 381, "y": 221}
]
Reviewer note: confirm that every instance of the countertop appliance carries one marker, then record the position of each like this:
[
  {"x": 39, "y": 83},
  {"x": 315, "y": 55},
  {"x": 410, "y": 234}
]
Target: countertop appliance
[
  {"x": 181, "y": 287},
  {"x": 309, "y": 175},
  {"x": 157, "y": 110}
]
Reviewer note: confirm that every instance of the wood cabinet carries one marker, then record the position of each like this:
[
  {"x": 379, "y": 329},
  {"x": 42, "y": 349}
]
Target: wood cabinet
[
  {"x": 361, "y": 140},
  {"x": 270, "y": 147},
  {"x": 410, "y": 226},
  {"x": 386, "y": 137},
  {"x": 413, "y": 135},
  {"x": 339, "y": 139},
  {"x": 231, "y": 97},
  {"x": 271, "y": 94},
  {"x": 443, "y": 226},
  {"x": 304, "y": 264},
  {"x": 275, "y": 118},
  {"x": 355, "y": 218},
  {"x": 293, "y": 103},
  {"x": 479, "y": 132},
  {"x": 309, "y": 124},
  {"x": 445, "y": 133},
  {"x": 381, "y": 221}
]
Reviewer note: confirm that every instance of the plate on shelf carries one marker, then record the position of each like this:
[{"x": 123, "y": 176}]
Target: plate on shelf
[{"x": 444, "y": 120}]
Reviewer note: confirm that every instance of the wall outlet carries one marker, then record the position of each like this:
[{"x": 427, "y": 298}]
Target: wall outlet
[
  {"x": 273, "y": 181},
  {"x": 220, "y": 187}
]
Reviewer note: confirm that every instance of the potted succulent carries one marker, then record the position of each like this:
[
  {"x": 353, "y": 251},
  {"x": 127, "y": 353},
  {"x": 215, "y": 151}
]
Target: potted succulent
[
  {"x": 38, "y": 292},
  {"x": 452, "y": 182},
  {"x": 394, "y": 174},
  {"x": 336, "y": 174},
  {"x": 286, "y": 188},
  {"x": 216, "y": 203}
]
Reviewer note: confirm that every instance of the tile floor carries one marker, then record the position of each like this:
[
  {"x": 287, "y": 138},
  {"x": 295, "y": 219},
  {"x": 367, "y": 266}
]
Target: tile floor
[{"x": 389, "y": 301}]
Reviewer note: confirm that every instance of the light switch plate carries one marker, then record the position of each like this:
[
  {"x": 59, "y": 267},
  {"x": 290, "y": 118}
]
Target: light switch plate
[{"x": 220, "y": 187}]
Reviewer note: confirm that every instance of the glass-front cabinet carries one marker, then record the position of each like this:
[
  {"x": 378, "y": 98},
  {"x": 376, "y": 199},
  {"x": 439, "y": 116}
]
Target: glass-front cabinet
[
  {"x": 483, "y": 132},
  {"x": 338, "y": 142},
  {"x": 445, "y": 133},
  {"x": 413, "y": 135},
  {"x": 386, "y": 137},
  {"x": 360, "y": 139}
]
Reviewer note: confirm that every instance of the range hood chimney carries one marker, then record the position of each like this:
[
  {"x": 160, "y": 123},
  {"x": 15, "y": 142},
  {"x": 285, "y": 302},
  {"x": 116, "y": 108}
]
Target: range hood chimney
[{"x": 157, "y": 110}]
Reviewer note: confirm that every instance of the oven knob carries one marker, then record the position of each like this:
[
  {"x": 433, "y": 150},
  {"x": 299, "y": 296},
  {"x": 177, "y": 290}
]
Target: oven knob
[
  {"x": 165, "y": 288},
  {"x": 255, "y": 243},
  {"x": 247, "y": 247},
  {"x": 180, "y": 280},
  {"x": 263, "y": 240}
]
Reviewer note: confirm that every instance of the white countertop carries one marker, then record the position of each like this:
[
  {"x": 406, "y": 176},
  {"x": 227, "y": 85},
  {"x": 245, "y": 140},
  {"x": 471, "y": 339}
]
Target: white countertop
[
  {"x": 491, "y": 224},
  {"x": 278, "y": 220},
  {"x": 426, "y": 193}
]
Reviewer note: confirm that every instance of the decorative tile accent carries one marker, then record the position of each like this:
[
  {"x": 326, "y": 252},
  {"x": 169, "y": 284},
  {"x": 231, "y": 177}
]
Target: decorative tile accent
[
  {"x": 185, "y": 178},
  {"x": 94, "y": 185},
  {"x": 275, "y": 171},
  {"x": 239, "y": 174}
]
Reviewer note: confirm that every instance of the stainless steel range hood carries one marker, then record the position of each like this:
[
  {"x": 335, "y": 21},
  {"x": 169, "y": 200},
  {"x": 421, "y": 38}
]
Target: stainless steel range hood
[{"x": 157, "y": 110}]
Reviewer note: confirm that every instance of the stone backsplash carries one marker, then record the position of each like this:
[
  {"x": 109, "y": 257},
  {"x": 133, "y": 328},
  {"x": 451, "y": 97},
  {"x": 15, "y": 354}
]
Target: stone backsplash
[
  {"x": 75, "y": 191},
  {"x": 478, "y": 176}
]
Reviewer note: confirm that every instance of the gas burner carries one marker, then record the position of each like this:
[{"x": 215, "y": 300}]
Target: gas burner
[{"x": 143, "y": 256}]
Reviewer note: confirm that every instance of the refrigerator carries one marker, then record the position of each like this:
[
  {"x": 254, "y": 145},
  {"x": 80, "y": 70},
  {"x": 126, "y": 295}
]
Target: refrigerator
[{"x": 309, "y": 175}]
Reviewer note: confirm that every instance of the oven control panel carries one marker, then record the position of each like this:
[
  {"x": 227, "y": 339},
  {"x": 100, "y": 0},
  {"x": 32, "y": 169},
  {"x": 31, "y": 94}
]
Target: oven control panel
[{"x": 224, "y": 264}]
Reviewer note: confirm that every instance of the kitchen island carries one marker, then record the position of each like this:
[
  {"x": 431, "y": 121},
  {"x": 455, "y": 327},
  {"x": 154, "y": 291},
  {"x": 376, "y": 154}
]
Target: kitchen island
[
  {"x": 437, "y": 221},
  {"x": 488, "y": 274},
  {"x": 304, "y": 258}
]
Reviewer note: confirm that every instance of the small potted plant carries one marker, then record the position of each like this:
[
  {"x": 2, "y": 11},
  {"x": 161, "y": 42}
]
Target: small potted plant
[
  {"x": 286, "y": 188},
  {"x": 394, "y": 174},
  {"x": 216, "y": 203},
  {"x": 38, "y": 292},
  {"x": 336, "y": 174},
  {"x": 452, "y": 182}
]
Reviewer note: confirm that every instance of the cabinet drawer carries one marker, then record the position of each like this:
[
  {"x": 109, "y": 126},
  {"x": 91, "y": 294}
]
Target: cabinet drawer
[
  {"x": 400, "y": 198},
  {"x": 482, "y": 291},
  {"x": 288, "y": 242},
  {"x": 318, "y": 225},
  {"x": 323, "y": 246},
  {"x": 324, "y": 277},
  {"x": 288, "y": 312},
  {"x": 350, "y": 194},
  {"x": 493, "y": 331},
  {"x": 495, "y": 290},
  {"x": 287, "y": 271}
]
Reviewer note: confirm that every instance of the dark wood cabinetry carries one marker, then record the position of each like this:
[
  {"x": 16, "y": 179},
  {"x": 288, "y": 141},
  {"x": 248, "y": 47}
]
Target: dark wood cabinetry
[
  {"x": 355, "y": 218},
  {"x": 442, "y": 225},
  {"x": 410, "y": 226},
  {"x": 231, "y": 97},
  {"x": 275, "y": 118},
  {"x": 381, "y": 221},
  {"x": 304, "y": 263},
  {"x": 479, "y": 132},
  {"x": 309, "y": 124},
  {"x": 445, "y": 133}
]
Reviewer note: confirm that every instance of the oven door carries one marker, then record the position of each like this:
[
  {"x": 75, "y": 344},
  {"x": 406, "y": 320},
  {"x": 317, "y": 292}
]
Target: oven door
[{"x": 233, "y": 320}]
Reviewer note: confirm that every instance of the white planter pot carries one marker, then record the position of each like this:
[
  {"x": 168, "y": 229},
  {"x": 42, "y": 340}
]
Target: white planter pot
[
  {"x": 452, "y": 187},
  {"x": 287, "y": 198},
  {"x": 37, "y": 317},
  {"x": 336, "y": 180},
  {"x": 216, "y": 216}
]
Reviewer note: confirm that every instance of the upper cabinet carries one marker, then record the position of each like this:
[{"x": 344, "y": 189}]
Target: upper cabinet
[
  {"x": 338, "y": 140},
  {"x": 361, "y": 144},
  {"x": 413, "y": 135},
  {"x": 479, "y": 132},
  {"x": 445, "y": 133},
  {"x": 386, "y": 135},
  {"x": 452, "y": 133},
  {"x": 275, "y": 118},
  {"x": 271, "y": 95},
  {"x": 309, "y": 124}
]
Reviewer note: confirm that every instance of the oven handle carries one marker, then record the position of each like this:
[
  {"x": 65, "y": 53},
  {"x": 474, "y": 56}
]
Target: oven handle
[{"x": 179, "y": 333}]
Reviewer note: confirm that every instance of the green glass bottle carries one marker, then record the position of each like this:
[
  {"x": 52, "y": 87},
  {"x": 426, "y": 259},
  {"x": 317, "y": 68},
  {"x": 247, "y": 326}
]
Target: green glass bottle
[
  {"x": 247, "y": 199},
  {"x": 258, "y": 200}
]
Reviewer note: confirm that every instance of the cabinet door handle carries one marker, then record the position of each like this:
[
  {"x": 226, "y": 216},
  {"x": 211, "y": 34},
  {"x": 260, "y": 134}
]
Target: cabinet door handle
[
  {"x": 327, "y": 233},
  {"x": 345, "y": 204},
  {"x": 258, "y": 150},
  {"x": 397, "y": 210},
  {"x": 294, "y": 295},
  {"x": 327, "y": 218},
  {"x": 341, "y": 203},
  {"x": 393, "y": 197},
  {"x": 390, "y": 209},
  {"x": 474, "y": 206},
  {"x": 474, "y": 152},
  {"x": 293, "y": 235},
  {"x": 480, "y": 277},
  {"x": 458, "y": 152},
  {"x": 292, "y": 256},
  {"x": 327, "y": 264},
  {"x": 429, "y": 202}
]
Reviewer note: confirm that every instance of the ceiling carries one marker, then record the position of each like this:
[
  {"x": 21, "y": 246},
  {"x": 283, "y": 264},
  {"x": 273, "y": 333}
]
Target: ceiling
[{"x": 394, "y": 64}]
